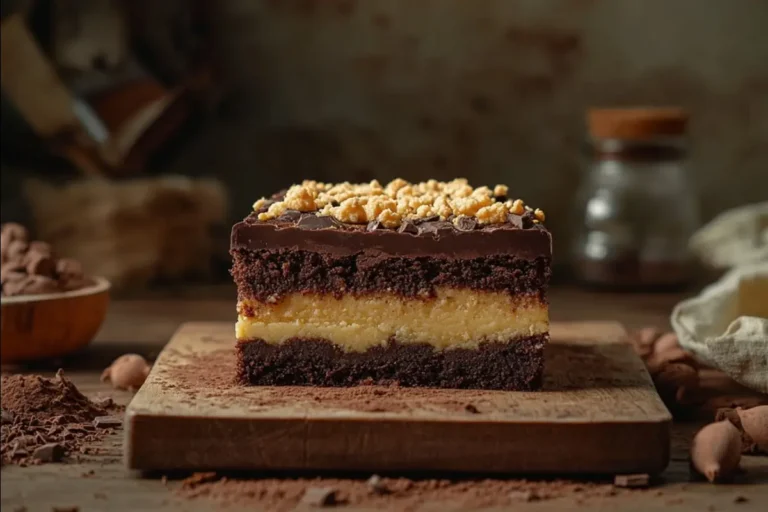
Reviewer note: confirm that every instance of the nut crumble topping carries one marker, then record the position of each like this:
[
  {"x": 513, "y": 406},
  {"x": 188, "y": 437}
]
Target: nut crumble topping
[{"x": 398, "y": 201}]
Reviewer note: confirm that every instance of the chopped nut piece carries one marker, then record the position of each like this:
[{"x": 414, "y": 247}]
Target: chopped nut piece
[
  {"x": 518, "y": 207},
  {"x": 389, "y": 219},
  {"x": 539, "y": 215},
  {"x": 493, "y": 214},
  {"x": 363, "y": 203}
]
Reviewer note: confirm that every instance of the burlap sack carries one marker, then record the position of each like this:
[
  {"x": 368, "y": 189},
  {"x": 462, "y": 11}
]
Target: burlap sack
[{"x": 726, "y": 325}]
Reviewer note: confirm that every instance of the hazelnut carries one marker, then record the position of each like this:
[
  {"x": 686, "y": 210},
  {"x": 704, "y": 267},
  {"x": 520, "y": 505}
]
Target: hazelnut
[
  {"x": 716, "y": 451},
  {"x": 128, "y": 371}
]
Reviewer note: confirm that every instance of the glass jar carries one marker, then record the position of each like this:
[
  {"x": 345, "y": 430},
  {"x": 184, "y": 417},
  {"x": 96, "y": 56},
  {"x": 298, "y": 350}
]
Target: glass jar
[{"x": 636, "y": 208}]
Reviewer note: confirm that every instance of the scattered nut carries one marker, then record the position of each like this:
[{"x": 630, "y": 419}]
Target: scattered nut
[
  {"x": 673, "y": 380},
  {"x": 643, "y": 340},
  {"x": 667, "y": 349},
  {"x": 128, "y": 371},
  {"x": 755, "y": 424},
  {"x": 716, "y": 451}
]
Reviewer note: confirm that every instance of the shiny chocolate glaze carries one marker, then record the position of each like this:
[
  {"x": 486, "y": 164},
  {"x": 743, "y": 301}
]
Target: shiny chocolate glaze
[{"x": 425, "y": 237}]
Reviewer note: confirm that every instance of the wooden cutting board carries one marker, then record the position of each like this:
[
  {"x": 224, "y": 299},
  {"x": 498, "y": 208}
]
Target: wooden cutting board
[{"x": 598, "y": 413}]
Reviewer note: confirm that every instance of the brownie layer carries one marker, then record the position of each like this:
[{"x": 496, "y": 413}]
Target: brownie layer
[
  {"x": 270, "y": 274},
  {"x": 515, "y": 366},
  {"x": 453, "y": 318}
]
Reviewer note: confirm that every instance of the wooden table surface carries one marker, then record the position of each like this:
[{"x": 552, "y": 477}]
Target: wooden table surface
[{"x": 144, "y": 324}]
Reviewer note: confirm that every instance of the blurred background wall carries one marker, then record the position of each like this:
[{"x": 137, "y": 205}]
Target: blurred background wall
[{"x": 494, "y": 90}]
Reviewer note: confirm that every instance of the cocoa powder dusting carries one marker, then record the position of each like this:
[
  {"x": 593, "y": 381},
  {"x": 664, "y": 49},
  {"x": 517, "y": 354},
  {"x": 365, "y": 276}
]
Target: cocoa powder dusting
[
  {"x": 47, "y": 415},
  {"x": 219, "y": 382},
  {"x": 400, "y": 494}
]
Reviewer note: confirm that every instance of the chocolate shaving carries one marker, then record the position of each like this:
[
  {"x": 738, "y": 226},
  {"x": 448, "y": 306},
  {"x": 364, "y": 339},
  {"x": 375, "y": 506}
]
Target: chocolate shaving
[
  {"x": 290, "y": 216},
  {"x": 436, "y": 228},
  {"x": 44, "y": 420},
  {"x": 49, "y": 452},
  {"x": 409, "y": 227},
  {"x": 515, "y": 220},
  {"x": 311, "y": 221}
]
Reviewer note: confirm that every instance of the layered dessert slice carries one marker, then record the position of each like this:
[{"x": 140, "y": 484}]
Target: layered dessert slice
[{"x": 431, "y": 284}]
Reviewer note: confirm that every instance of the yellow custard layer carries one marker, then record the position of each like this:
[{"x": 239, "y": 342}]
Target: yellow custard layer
[{"x": 456, "y": 318}]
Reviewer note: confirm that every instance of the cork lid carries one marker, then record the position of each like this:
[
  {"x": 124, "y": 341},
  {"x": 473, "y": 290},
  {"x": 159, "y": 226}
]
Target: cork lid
[{"x": 637, "y": 123}]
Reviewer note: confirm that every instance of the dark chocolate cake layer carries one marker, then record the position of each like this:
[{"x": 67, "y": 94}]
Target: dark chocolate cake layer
[
  {"x": 270, "y": 274},
  {"x": 514, "y": 366}
]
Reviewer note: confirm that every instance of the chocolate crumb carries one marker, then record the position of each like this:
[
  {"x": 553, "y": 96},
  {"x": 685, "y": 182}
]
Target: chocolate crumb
[
  {"x": 107, "y": 422},
  {"x": 7, "y": 417},
  {"x": 319, "y": 497},
  {"x": 471, "y": 409},
  {"x": 65, "y": 509},
  {"x": 104, "y": 402},
  {"x": 632, "y": 481},
  {"x": 49, "y": 415},
  {"x": 740, "y": 499},
  {"x": 199, "y": 478},
  {"x": 376, "y": 485},
  {"x": 523, "y": 496},
  {"x": 49, "y": 452}
]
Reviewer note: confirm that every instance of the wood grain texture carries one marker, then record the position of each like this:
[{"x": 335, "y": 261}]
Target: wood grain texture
[
  {"x": 597, "y": 394},
  {"x": 43, "y": 326},
  {"x": 145, "y": 324}
]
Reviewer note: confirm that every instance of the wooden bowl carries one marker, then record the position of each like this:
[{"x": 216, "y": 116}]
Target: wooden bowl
[{"x": 51, "y": 325}]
